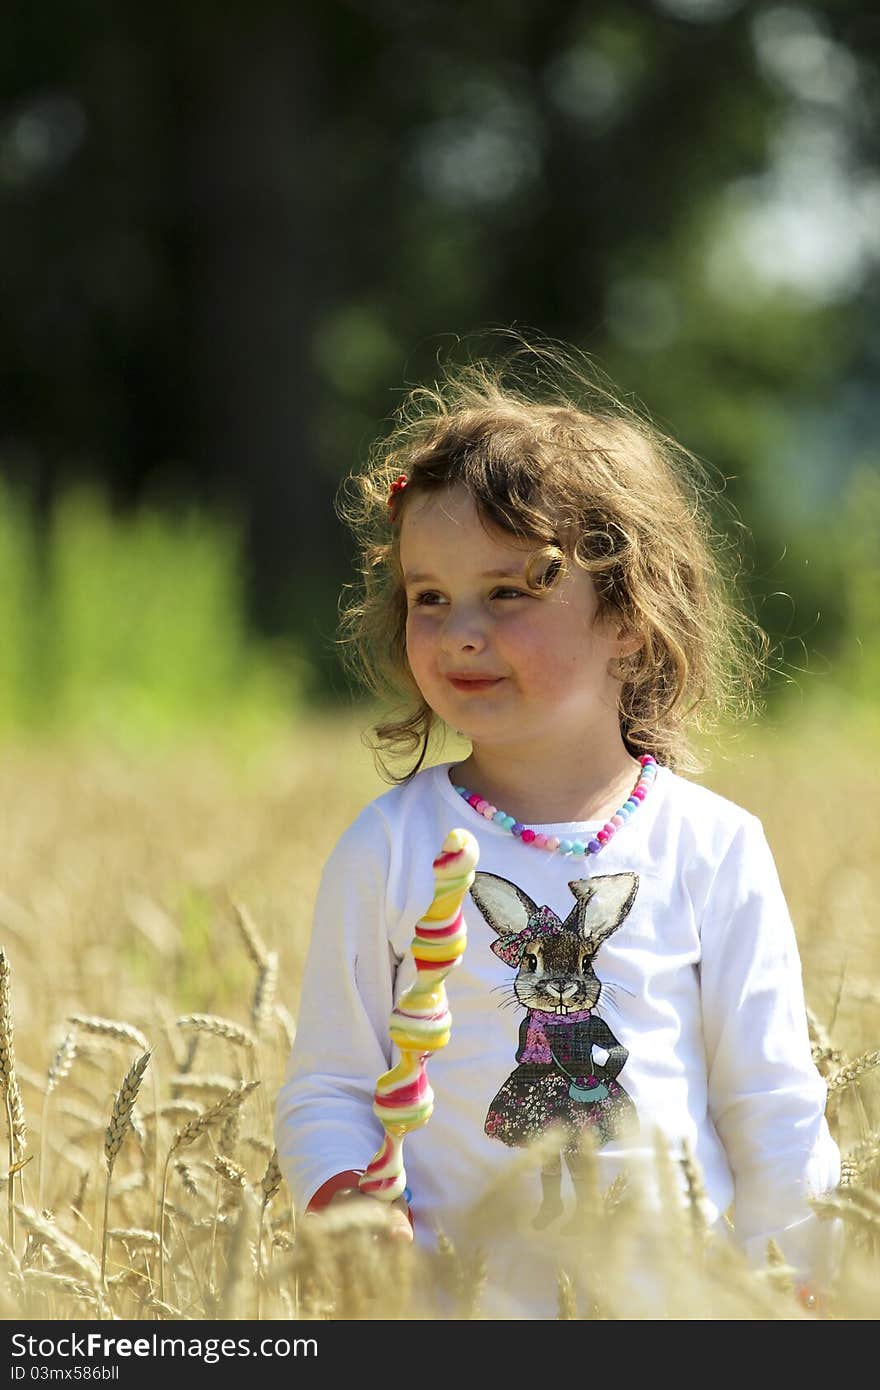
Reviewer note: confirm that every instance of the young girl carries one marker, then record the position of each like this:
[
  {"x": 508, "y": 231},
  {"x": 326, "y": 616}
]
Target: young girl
[{"x": 540, "y": 576}]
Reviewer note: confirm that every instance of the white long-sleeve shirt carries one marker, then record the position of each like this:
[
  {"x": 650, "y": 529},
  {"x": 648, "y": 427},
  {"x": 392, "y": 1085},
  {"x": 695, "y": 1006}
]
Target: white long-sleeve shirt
[{"x": 700, "y": 984}]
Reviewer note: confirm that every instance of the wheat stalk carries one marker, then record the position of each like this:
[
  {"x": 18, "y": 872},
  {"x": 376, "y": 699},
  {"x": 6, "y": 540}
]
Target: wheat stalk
[
  {"x": 616, "y": 1193},
  {"x": 233, "y": 1033},
  {"x": 779, "y": 1274},
  {"x": 121, "y": 1117},
  {"x": 12, "y": 1264},
  {"x": 261, "y": 1146},
  {"x": 179, "y": 1109},
  {"x": 59, "y": 1067},
  {"x": 857, "y": 1164},
  {"x": 263, "y": 1006},
  {"x": 68, "y": 1251},
  {"x": 158, "y": 1306},
  {"x": 235, "y": 1175},
  {"x": 61, "y": 1063},
  {"x": 852, "y": 1072},
  {"x": 229, "y": 1134},
  {"x": 230, "y": 1299},
  {"x": 120, "y": 1121},
  {"x": 219, "y": 1028},
  {"x": 215, "y": 1114},
  {"x": 79, "y": 1200},
  {"x": 253, "y": 942},
  {"x": 188, "y": 1134},
  {"x": 826, "y": 1057},
  {"x": 15, "y": 1119},
  {"x": 135, "y": 1237},
  {"x": 182, "y": 1081},
  {"x": 232, "y": 1172},
  {"x": 271, "y": 1179},
  {"x": 48, "y": 1282},
  {"x": 110, "y": 1028},
  {"x": 695, "y": 1190},
  {"x": 123, "y": 1032},
  {"x": 860, "y": 1208},
  {"x": 269, "y": 1185},
  {"x": 185, "y": 1174}
]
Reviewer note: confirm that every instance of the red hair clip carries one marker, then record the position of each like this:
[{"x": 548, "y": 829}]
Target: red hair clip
[{"x": 397, "y": 488}]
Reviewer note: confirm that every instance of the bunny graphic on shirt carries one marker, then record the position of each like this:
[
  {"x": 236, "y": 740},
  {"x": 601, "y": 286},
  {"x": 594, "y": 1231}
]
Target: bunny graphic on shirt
[{"x": 556, "y": 1082}]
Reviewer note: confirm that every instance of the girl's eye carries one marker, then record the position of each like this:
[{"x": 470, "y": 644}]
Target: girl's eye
[
  {"x": 426, "y": 599},
  {"x": 508, "y": 593}
]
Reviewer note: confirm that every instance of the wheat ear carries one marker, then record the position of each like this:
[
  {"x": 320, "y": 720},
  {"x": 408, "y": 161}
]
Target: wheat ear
[
  {"x": 852, "y": 1072},
  {"x": 855, "y": 1205},
  {"x": 135, "y": 1237},
  {"x": 696, "y": 1192},
  {"x": 110, "y": 1028},
  {"x": 125, "y": 1032},
  {"x": 120, "y": 1122},
  {"x": 269, "y": 1183},
  {"x": 220, "y": 1028},
  {"x": 67, "y": 1249},
  {"x": 233, "y": 1033},
  {"x": 188, "y": 1134},
  {"x": 253, "y": 942},
  {"x": 857, "y": 1164},
  {"x": 826, "y": 1057},
  {"x": 234, "y": 1174},
  {"x": 263, "y": 1006},
  {"x": 205, "y": 1081},
  {"x": 58, "y": 1069}
]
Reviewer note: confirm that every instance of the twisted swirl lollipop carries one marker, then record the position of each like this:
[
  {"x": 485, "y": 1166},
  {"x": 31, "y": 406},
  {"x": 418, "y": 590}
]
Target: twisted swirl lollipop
[{"x": 421, "y": 1021}]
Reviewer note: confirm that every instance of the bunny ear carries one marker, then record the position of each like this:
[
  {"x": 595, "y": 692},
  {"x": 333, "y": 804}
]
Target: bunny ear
[
  {"x": 505, "y": 907},
  {"x": 602, "y": 904}
]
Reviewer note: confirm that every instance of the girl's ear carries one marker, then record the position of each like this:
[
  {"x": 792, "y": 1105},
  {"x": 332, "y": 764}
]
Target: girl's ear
[
  {"x": 628, "y": 642},
  {"x": 624, "y": 640}
]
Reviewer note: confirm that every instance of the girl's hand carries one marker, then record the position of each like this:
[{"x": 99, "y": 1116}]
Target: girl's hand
[{"x": 395, "y": 1214}]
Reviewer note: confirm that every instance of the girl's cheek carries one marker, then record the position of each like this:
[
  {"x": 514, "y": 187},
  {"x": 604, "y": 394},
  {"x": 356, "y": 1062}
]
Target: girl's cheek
[{"x": 415, "y": 641}]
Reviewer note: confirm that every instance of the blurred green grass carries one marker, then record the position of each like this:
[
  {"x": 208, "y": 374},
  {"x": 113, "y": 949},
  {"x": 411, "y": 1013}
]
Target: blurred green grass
[{"x": 132, "y": 628}]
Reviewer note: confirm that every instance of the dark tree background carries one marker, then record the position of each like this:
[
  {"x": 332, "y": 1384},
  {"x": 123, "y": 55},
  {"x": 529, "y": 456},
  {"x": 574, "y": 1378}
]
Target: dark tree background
[{"x": 230, "y": 235}]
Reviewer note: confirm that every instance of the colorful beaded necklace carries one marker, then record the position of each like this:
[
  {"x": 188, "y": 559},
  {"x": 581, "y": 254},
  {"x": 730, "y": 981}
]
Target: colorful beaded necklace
[{"x": 575, "y": 848}]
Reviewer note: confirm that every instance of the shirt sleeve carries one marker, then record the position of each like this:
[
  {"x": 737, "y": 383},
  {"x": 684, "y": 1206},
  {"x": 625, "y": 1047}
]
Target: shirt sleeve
[
  {"x": 766, "y": 1097},
  {"x": 324, "y": 1123}
]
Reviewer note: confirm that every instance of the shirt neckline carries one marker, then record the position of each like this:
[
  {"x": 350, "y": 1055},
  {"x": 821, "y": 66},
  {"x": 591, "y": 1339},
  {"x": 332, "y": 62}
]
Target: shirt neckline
[{"x": 561, "y": 829}]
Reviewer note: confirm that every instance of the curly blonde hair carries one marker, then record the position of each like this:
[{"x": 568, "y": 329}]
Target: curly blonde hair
[{"x": 562, "y": 462}]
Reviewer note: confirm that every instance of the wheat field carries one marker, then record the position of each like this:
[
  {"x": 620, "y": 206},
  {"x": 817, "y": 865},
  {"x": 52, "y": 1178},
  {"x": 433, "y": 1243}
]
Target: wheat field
[{"x": 154, "y": 917}]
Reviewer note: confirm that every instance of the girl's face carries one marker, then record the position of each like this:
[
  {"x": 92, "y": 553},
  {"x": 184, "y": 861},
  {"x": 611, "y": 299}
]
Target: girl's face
[{"x": 501, "y": 664}]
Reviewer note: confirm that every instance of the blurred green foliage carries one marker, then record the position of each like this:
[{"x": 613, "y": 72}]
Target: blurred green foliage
[
  {"x": 131, "y": 628},
  {"x": 858, "y": 545}
]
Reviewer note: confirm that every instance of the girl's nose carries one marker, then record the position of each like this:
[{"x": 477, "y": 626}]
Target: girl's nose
[{"x": 463, "y": 633}]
